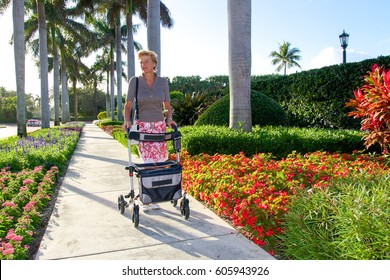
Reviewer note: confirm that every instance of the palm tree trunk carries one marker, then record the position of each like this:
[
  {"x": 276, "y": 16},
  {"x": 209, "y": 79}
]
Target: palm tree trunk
[
  {"x": 112, "y": 77},
  {"x": 108, "y": 101},
  {"x": 239, "y": 25},
  {"x": 119, "y": 69},
  {"x": 153, "y": 29},
  {"x": 76, "y": 115},
  {"x": 130, "y": 42},
  {"x": 45, "y": 107},
  {"x": 18, "y": 22},
  {"x": 95, "y": 99},
  {"x": 64, "y": 94},
  {"x": 56, "y": 80}
]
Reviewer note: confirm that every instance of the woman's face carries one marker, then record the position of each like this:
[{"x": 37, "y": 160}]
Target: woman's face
[{"x": 147, "y": 64}]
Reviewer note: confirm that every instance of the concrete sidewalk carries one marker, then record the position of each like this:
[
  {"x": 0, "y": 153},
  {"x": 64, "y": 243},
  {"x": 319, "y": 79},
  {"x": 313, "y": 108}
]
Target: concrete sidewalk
[{"x": 86, "y": 222}]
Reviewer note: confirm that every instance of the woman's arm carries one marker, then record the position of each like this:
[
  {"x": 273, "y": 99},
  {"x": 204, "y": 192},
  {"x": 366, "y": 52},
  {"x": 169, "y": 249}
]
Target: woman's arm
[{"x": 128, "y": 107}]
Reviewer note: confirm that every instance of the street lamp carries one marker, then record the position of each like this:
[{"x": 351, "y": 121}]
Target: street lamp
[{"x": 344, "y": 44}]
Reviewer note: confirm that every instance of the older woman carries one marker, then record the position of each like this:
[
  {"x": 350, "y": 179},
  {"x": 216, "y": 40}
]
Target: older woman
[{"x": 153, "y": 100}]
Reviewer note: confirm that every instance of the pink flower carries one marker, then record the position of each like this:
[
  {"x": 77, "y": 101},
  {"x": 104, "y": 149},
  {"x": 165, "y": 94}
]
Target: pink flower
[
  {"x": 29, "y": 206},
  {"x": 8, "y": 251},
  {"x": 27, "y": 181},
  {"x": 8, "y": 204},
  {"x": 12, "y": 236}
]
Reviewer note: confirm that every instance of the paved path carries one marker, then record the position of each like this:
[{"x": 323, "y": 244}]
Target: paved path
[
  {"x": 11, "y": 129},
  {"x": 86, "y": 223}
]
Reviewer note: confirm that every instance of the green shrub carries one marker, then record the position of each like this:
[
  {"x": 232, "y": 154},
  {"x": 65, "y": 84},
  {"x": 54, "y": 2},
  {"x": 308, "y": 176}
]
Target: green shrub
[
  {"x": 188, "y": 107},
  {"x": 347, "y": 221},
  {"x": 109, "y": 122},
  {"x": 317, "y": 97},
  {"x": 102, "y": 115},
  {"x": 265, "y": 111},
  {"x": 276, "y": 140},
  {"x": 176, "y": 94}
]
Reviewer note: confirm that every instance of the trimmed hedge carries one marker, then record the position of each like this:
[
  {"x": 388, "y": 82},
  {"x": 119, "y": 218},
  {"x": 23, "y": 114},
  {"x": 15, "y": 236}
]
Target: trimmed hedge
[
  {"x": 317, "y": 97},
  {"x": 276, "y": 140}
]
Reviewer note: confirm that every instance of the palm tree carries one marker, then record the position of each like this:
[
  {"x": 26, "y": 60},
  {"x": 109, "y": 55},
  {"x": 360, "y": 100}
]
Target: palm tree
[
  {"x": 43, "y": 64},
  {"x": 130, "y": 39},
  {"x": 106, "y": 40},
  {"x": 286, "y": 57},
  {"x": 239, "y": 25},
  {"x": 18, "y": 37},
  {"x": 153, "y": 31},
  {"x": 60, "y": 25},
  {"x": 18, "y": 19},
  {"x": 140, "y": 7},
  {"x": 76, "y": 69},
  {"x": 103, "y": 62}
]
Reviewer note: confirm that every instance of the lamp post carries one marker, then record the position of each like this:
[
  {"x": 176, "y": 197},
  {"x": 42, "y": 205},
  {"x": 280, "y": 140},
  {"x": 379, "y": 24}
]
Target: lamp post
[{"x": 344, "y": 44}]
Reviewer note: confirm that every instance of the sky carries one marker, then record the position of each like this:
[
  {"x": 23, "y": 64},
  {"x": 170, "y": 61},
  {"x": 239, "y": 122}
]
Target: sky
[{"x": 198, "y": 42}]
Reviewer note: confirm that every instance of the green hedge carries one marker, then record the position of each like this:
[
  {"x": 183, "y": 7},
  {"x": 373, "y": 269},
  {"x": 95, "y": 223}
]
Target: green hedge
[
  {"x": 277, "y": 140},
  {"x": 317, "y": 97}
]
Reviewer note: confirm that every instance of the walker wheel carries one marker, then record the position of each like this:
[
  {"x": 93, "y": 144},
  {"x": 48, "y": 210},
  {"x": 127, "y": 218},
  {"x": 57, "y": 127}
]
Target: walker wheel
[
  {"x": 121, "y": 204},
  {"x": 185, "y": 208},
  {"x": 135, "y": 217},
  {"x": 174, "y": 202}
]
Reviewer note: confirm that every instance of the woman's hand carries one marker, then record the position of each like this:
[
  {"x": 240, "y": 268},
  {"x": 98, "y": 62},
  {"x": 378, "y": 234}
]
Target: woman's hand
[
  {"x": 171, "y": 122},
  {"x": 126, "y": 125}
]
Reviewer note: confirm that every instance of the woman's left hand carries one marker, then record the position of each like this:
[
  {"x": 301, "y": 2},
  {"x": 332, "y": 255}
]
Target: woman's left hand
[{"x": 171, "y": 122}]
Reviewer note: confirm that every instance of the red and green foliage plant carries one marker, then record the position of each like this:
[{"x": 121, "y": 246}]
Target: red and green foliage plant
[
  {"x": 22, "y": 196},
  {"x": 372, "y": 104},
  {"x": 255, "y": 193}
]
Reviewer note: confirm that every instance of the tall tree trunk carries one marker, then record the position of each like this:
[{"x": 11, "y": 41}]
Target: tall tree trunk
[
  {"x": 56, "y": 80},
  {"x": 95, "y": 99},
  {"x": 153, "y": 30},
  {"x": 130, "y": 42},
  {"x": 119, "y": 69},
  {"x": 239, "y": 26},
  {"x": 18, "y": 22},
  {"x": 108, "y": 101},
  {"x": 76, "y": 114},
  {"x": 112, "y": 77},
  {"x": 45, "y": 106},
  {"x": 64, "y": 93}
]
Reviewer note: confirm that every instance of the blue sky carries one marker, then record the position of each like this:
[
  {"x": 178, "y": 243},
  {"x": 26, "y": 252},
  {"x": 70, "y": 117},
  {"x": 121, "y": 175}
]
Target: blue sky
[{"x": 198, "y": 42}]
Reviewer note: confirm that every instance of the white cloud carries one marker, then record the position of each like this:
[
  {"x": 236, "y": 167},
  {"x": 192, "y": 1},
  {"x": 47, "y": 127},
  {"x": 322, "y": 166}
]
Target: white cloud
[
  {"x": 261, "y": 65},
  {"x": 326, "y": 57},
  {"x": 357, "y": 52}
]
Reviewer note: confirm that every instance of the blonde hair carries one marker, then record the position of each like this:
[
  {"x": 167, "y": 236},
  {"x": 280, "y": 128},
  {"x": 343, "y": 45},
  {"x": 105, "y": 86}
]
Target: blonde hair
[{"x": 151, "y": 54}]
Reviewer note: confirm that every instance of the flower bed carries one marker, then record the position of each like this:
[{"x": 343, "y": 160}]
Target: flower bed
[
  {"x": 29, "y": 168},
  {"x": 23, "y": 195},
  {"x": 254, "y": 193}
]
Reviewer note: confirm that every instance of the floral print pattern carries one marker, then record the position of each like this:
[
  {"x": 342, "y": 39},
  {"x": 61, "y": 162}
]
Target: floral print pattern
[{"x": 151, "y": 152}]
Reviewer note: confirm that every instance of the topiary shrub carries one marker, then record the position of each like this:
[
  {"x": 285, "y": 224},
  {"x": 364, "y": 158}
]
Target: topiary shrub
[
  {"x": 265, "y": 111},
  {"x": 102, "y": 115},
  {"x": 176, "y": 94}
]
